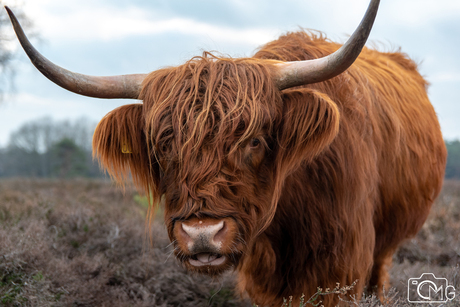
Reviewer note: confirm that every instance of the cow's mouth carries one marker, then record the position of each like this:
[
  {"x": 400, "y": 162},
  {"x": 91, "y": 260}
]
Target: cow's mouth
[{"x": 207, "y": 259}]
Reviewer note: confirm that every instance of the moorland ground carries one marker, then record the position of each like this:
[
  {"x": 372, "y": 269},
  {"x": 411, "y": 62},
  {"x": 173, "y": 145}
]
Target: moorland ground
[{"x": 83, "y": 242}]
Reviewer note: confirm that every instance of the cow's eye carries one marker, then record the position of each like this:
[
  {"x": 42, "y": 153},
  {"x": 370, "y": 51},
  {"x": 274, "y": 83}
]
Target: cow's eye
[{"x": 255, "y": 142}]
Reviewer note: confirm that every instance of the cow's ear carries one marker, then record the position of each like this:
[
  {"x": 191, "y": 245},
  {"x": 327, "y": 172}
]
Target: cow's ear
[
  {"x": 309, "y": 124},
  {"x": 120, "y": 145}
]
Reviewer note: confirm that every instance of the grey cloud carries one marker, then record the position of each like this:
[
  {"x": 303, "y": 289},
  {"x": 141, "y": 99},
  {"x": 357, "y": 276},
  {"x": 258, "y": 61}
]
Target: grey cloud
[{"x": 434, "y": 44}]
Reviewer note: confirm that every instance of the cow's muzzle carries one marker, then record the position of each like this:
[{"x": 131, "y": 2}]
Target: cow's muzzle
[{"x": 205, "y": 242}]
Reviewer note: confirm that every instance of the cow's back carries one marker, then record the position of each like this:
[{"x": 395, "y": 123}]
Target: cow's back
[
  {"x": 389, "y": 153},
  {"x": 383, "y": 100}
]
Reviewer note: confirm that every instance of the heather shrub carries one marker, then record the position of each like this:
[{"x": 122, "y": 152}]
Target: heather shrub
[{"x": 84, "y": 242}]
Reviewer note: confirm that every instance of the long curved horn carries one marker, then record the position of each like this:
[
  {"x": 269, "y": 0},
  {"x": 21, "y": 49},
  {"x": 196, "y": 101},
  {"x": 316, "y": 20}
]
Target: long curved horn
[
  {"x": 298, "y": 73},
  {"x": 123, "y": 86}
]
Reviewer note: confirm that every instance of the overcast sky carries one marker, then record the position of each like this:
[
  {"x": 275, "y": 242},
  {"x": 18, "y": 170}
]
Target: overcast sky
[{"x": 106, "y": 37}]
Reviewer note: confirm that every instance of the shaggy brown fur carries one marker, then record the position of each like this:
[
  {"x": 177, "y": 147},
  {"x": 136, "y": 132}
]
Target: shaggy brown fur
[{"x": 323, "y": 181}]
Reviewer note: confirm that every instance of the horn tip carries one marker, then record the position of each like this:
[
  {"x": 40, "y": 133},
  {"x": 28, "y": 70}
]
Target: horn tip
[{"x": 9, "y": 11}]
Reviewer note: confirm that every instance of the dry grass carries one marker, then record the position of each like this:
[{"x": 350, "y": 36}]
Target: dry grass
[
  {"x": 81, "y": 243},
  {"x": 436, "y": 248}
]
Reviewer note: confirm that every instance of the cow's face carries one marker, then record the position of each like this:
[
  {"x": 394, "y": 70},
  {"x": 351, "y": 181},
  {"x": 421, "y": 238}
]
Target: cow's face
[
  {"x": 211, "y": 126},
  {"x": 214, "y": 139},
  {"x": 223, "y": 136}
]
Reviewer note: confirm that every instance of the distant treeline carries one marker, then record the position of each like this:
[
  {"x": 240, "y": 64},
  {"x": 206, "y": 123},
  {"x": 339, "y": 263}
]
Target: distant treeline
[
  {"x": 62, "y": 149},
  {"x": 48, "y": 148},
  {"x": 453, "y": 159}
]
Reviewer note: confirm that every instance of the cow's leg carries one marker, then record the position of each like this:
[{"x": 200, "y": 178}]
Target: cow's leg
[{"x": 380, "y": 279}]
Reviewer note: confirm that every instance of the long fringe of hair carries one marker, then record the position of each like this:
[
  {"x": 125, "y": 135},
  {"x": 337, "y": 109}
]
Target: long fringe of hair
[{"x": 203, "y": 112}]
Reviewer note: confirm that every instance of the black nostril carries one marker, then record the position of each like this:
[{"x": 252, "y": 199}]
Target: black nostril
[
  {"x": 183, "y": 232},
  {"x": 220, "y": 235}
]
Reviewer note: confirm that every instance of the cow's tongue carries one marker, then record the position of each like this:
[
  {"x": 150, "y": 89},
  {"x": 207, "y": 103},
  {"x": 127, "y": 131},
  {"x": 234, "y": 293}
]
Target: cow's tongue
[{"x": 206, "y": 257}]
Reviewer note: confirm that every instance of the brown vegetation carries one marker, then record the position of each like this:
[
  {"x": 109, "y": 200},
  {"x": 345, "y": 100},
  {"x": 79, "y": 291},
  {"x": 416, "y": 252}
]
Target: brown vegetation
[{"x": 81, "y": 243}]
